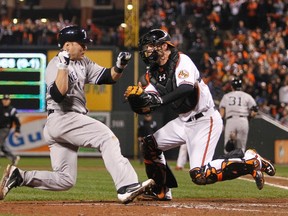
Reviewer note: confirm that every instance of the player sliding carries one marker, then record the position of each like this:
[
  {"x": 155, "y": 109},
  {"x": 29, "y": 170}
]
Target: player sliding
[
  {"x": 68, "y": 127},
  {"x": 172, "y": 78}
]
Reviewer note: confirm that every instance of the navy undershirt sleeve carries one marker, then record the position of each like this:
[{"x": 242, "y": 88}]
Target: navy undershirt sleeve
[{"x": 182, "y": 91}]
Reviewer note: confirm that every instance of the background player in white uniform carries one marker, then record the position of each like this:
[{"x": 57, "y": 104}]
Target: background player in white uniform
[
  {"x": 182, "y": 157},
  {"x": 237, "y": 107},
  {"x": 172, "y": 78},
  {"x": 68, "y": 127}
]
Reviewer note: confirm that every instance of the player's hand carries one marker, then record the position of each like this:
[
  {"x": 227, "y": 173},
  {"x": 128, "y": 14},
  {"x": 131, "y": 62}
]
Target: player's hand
[
  {"x": 64, "y": 59},
  {"x": 123, "y": 59},
  {"x": 16, "y": 134}
]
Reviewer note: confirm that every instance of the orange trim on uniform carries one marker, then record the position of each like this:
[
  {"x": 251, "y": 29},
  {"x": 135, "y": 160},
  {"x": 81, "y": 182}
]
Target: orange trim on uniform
[
  {"x": 147, "y": 79},
  {"x": 208, "y": 141},
  {"x": 148, "y": 161}
]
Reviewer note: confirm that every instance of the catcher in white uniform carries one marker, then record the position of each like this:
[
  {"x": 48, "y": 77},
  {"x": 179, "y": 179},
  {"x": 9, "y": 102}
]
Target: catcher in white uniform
[
  {"x": 68, "y": 127},
  {"x": 237, "y": 107},
  {"x": 172, "y": 78}
]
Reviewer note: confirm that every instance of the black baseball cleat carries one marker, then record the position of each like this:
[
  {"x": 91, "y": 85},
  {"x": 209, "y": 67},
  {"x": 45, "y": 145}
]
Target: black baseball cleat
[
  {"x": 128, "y": 193},
  {"x": 164, "y": 195},
  {"x": 11, "y": 178},
  {"x": 267, "y": 166},
  {"x": 259, "y": 179}
]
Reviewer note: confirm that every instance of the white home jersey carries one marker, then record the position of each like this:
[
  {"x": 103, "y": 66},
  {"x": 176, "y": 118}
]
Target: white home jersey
[{"x": 187, "y": 73}]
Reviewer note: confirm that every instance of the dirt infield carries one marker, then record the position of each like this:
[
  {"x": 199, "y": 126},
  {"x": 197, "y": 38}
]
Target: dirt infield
[
  {"x": 223, "y": 207},
  {"x": 183, "y": 207}
]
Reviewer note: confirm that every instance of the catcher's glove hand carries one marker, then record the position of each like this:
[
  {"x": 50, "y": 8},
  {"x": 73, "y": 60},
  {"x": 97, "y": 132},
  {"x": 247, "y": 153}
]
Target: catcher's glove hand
[{"x": 140, "y": 101}]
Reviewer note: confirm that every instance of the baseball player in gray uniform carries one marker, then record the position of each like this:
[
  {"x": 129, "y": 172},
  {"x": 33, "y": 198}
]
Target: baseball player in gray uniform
[
  {"x": 68, "y": 127},
  {"x": 237, "y": 107},
  {"x": 172, "y": 78}
]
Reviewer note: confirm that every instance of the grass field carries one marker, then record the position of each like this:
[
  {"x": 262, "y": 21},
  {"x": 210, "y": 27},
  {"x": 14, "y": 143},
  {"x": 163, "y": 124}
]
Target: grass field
[{"x": 94, "y": 183}]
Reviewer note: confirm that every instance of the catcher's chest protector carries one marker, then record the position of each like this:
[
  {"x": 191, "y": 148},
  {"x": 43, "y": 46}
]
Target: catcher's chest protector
[{"x": 163, "y": 79}]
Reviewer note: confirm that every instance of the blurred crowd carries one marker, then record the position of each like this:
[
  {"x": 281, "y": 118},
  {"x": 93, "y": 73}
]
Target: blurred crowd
[{"x": 245, "y": 38}]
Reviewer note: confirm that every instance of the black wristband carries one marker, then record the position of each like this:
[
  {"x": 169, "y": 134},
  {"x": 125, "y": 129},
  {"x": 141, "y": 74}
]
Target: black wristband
[{"x": 118, "y": 70}]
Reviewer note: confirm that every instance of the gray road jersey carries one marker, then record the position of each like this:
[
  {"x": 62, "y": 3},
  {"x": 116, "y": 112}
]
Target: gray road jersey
[
  {"x": 80, "y": 73},
  {"x": 237, "y": 103}
]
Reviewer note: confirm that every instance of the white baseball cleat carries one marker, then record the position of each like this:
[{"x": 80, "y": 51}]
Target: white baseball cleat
[
  {"x": 266, "y": 165},
  {"x": 11, "y": 178},
  {"x": 128, "y": 193}
]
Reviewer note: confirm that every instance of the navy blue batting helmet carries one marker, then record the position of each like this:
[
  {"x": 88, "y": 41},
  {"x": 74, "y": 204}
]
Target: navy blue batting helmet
[
  {"x": 72, "y": 34},
  {"x": 236, "y": 83}
]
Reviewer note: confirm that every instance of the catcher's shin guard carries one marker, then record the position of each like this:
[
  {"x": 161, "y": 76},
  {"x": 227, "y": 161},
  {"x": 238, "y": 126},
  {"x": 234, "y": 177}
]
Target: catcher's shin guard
[
  {"x": 159, "y": 172},
  {"x": 154, "y": 170},
  {"x": 230, "y": 169}
]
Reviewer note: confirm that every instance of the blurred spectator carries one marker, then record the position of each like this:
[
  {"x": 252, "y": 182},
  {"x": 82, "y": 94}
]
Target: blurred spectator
[
  {"x": 283, "y": 92},
  {"x": 177, "y": 38},
  {"x": 189, "y": 36},
  {"x": 284, "y": 118},
  {"x": 86, "y": 11}
]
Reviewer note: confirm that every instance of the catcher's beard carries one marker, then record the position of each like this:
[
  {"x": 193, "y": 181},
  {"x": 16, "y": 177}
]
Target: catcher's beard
[{"x": 156, "y": 55}]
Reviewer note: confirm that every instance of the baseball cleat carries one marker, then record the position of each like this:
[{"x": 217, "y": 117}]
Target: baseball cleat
[
  {"x": 150, "y": 195},
  {"x": 128, "y": 193},
  {"x": 267, "y": 166},
  {"x": 259, "y": 179},
  {"x": 11, "y": 178}
]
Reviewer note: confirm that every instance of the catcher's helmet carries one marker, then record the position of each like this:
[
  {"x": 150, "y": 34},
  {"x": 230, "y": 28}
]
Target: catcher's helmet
[
  {"x": 153, "y": 37},
  {"x": 72, "y": 34},
  {"x": 236, "y": 83}
]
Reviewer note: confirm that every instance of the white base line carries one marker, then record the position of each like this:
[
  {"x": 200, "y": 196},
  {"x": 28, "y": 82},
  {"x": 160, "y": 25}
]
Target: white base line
[{"x": 267, "y": 183}]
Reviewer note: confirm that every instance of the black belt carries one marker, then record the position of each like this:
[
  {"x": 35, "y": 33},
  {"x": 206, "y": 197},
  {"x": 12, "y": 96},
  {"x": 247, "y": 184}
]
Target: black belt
[
  {"x": 235, "y": 116},
  {"x": 195, "y": 117},
  {"x": 52, "y": 111}
]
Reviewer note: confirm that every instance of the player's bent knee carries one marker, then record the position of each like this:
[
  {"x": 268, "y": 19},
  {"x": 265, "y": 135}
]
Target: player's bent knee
[
  {"x": 67, "y": 182},
  {"x": 197, "y": 176},
  {"x": 200, "y": 176}
]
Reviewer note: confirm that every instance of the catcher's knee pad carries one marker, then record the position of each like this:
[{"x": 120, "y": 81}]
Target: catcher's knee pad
[
  {"x": 200, "y": 176},
  {"x": 150, "y": 148}
]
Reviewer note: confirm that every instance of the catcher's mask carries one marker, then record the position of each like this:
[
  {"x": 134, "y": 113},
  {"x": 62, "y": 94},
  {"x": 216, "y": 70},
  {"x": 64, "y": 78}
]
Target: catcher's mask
[
  {"x": 236, "y": 83},
  {"x": 72, "y": 34},
  {"x": 148, "y": 42}
]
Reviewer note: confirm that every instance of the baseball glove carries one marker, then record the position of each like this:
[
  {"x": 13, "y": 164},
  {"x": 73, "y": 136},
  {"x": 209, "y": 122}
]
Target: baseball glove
[{"x": 140, "y": 101}]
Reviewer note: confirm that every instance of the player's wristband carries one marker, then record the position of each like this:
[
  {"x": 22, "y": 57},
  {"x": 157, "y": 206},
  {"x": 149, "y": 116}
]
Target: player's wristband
[
  {"x": 62, "y": 66},
  {"x": 117, "y": 69}
]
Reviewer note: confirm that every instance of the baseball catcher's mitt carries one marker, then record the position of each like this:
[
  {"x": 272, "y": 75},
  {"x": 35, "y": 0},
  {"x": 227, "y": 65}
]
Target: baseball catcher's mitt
[
  {"x": 230, "y": 145},
  {"x": 140, "y": 101}
]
